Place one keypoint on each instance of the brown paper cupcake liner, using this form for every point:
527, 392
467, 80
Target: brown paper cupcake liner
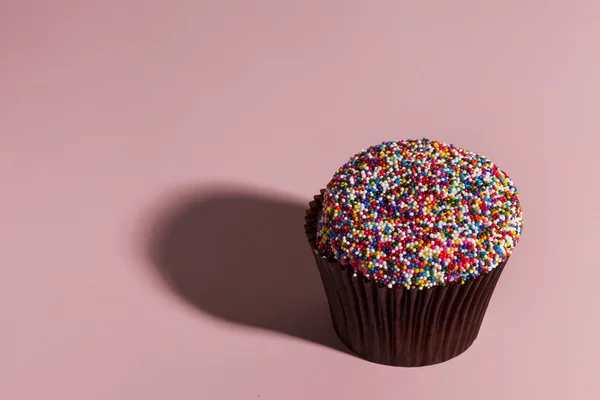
400, 327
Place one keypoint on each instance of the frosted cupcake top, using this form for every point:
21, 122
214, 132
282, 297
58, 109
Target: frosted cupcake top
419, 214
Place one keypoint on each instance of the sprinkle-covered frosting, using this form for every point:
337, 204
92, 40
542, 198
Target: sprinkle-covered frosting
419, 214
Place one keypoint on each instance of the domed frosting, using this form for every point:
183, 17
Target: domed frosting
419, 214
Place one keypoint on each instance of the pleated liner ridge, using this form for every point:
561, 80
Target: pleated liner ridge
400, 327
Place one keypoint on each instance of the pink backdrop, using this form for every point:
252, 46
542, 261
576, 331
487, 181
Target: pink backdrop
139, 140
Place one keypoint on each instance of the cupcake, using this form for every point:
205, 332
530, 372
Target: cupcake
410, 239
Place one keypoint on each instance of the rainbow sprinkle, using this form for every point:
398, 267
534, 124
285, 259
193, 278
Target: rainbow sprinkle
419, 214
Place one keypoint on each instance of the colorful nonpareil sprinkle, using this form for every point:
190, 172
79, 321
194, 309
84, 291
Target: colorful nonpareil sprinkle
419, 214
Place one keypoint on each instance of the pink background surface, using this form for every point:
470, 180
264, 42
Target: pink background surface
129, 128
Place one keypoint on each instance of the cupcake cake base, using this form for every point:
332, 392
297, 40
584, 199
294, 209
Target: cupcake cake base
397, 326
